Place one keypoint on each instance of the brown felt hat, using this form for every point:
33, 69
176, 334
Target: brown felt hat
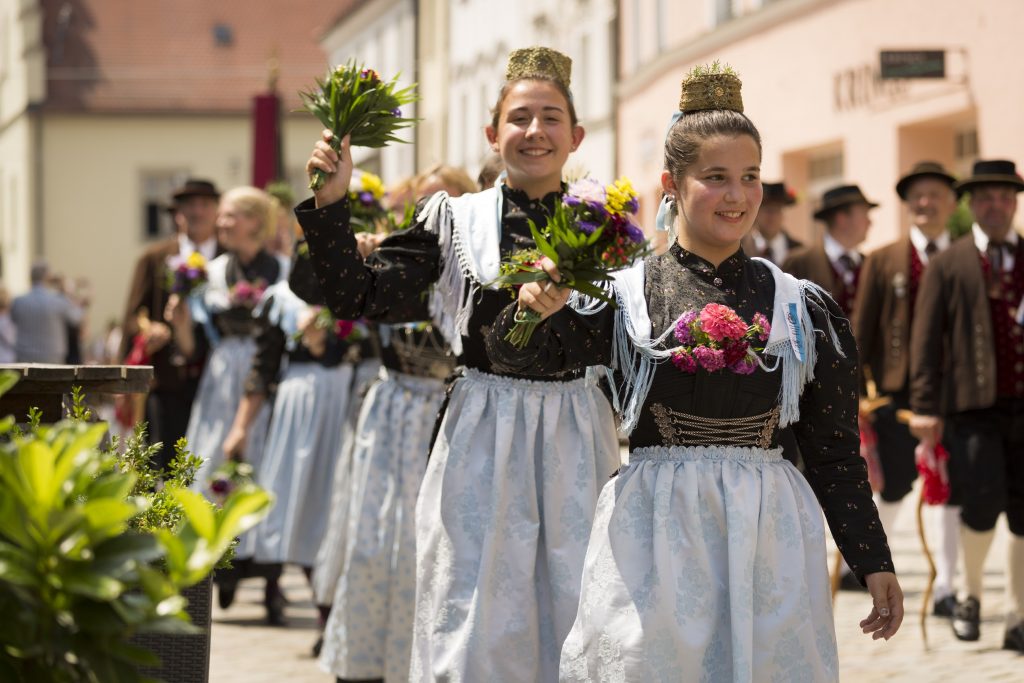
924, 169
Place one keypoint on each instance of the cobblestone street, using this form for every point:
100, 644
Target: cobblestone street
245, 649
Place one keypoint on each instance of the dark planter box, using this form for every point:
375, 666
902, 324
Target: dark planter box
184, 658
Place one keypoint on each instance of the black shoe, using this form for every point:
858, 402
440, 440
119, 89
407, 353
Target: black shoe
227, 584
849, 582
966, 619
944, 607
274, 602
1014, 638
317, 646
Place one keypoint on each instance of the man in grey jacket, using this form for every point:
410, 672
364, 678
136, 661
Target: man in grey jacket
41, 317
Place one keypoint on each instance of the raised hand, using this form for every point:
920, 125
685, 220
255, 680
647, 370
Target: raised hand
337, 165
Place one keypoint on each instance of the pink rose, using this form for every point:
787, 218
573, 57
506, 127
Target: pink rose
683, 360
721, 322
709, 359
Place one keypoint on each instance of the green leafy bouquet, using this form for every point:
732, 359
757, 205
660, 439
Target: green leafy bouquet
353, 100
590, 235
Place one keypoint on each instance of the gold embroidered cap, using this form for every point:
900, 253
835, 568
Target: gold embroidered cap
711, 87
531, 62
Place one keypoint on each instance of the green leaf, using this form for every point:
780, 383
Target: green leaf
36, 460
198, 511
81, 580
8, 378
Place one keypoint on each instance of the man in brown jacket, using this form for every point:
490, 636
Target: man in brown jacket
884, 308
769, 238
967, 375
175, 378
834, 262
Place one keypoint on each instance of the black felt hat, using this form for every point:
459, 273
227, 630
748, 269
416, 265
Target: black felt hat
992, 172
841, 197
778, 193
924, 169
195, 187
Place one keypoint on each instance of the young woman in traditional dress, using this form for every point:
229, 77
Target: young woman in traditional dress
509, 493
305, 357
224, 316
368, 635
707, 557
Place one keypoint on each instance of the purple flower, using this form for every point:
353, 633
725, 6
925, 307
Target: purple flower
396, 112
570, 200
220, 486
589, 191
684, 333
762, 326
744, 366
709, 359
366, 198
632, 206
634, 233
589, 226
684, 361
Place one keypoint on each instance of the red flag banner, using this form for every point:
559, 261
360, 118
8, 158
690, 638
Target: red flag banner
266, 139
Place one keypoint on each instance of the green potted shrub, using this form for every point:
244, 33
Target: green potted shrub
88, 560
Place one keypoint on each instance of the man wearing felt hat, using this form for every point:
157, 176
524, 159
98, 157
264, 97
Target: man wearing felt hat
967, 375
889, 282
834, 263
194, 206
769, 238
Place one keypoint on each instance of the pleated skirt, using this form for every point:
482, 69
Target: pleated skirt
503, 519
369, 631
302, 449
213, 411
329, 557
705, 564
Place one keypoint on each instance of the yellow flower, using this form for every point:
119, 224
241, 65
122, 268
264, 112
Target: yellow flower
196, 261
373, 184
621, 196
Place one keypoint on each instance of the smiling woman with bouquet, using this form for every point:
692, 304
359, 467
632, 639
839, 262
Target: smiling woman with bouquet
707, 557
510, 489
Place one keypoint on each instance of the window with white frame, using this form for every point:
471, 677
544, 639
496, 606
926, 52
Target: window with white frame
156, 188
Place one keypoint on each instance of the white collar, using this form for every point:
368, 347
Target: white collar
920, 242
981, 239
834, 250
186, 247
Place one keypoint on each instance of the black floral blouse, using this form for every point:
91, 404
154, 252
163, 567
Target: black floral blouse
392, 285
827, 432
272, 341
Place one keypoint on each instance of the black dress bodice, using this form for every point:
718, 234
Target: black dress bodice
391, 286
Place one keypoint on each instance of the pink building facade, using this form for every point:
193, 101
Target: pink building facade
811, 83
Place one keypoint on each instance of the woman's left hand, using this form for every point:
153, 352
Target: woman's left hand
887, 609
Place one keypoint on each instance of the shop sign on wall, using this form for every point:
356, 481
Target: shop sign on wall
912, 63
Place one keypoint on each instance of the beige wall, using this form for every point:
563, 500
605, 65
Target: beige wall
808, 85
92, 165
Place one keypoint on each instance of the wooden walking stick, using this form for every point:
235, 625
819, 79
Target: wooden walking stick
934, 491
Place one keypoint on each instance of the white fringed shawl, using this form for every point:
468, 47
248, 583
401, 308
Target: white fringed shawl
468, 231
791, 343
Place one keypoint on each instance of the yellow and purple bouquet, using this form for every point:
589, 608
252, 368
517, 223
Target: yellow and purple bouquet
590, 235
